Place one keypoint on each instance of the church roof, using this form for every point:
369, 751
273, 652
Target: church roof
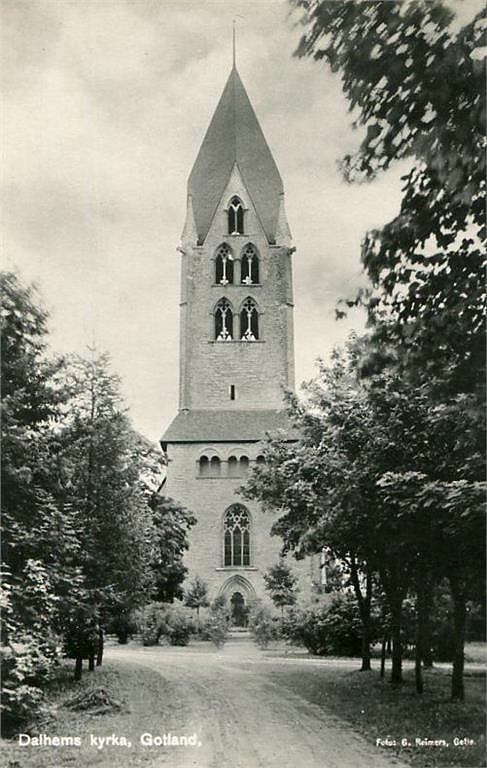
215, 426
235, 136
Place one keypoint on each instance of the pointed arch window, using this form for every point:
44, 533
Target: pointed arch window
235, 217
224, 265
236, 536
250, 265
249, 321
223, 321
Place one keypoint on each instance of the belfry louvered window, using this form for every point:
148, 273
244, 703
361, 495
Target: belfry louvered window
249, 321
236, 533
223, 321
224, 265
235, 217
250, 265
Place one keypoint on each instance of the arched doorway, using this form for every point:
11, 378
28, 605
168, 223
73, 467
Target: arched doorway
239, 610
239, 594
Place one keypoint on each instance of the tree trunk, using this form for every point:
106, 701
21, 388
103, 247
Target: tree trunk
421, 612
91, 663
383, 656
99, 653
427, 628
459, 619
364, 609
78, 669
396, 622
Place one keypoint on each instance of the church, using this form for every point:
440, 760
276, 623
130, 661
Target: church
236, 352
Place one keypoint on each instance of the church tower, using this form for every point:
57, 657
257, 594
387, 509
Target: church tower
236, 348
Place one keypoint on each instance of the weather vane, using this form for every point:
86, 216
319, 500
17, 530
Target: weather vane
234, 22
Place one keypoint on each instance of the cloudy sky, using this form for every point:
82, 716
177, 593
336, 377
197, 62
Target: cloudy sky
106, 104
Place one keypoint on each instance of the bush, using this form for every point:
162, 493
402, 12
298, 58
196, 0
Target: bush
28, 655
123, 626
329, 630
264, 627
178, 629
215, 627
151, 622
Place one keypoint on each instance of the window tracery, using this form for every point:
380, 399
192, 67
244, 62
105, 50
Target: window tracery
224, 265
250, 265
223, 321
249, 321
236, 534
235, 217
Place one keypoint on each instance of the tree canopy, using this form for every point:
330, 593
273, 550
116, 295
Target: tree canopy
415, 85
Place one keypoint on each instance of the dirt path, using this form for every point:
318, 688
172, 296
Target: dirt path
243, 717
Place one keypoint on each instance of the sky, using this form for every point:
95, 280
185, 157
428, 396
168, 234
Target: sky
106, 103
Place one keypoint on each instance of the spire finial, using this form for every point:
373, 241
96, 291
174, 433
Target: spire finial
234, 23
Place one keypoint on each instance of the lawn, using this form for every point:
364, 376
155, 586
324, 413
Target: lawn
379, 711
145, 700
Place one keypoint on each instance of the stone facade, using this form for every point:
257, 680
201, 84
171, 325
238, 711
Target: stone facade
231, 392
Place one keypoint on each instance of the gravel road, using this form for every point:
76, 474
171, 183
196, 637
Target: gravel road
243, 717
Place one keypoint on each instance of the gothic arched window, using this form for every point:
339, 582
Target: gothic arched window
236, 536
224, 265
223, 321
235, 217
249, 321
250, 265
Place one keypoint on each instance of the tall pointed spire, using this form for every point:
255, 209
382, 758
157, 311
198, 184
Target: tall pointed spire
234, 137
234, 48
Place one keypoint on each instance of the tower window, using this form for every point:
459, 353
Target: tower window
250, 265
236, 536
215, 466
204, 466
235, 217
224, 265
233, 466
249, 321
232, 391
209, 467
244, 465
223, 321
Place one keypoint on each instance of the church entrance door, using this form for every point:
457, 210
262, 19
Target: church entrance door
239, 610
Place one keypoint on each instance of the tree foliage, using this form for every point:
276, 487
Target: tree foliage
415, 85
86, 536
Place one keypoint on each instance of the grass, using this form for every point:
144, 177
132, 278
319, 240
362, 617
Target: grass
377, 710
147, 706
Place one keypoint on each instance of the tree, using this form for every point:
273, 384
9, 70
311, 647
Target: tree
197, 596
41, 580
280, 583
359, 481
171, 524
106, 466
417, 86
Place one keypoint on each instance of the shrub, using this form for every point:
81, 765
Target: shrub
123, 626
178, 629
333, 629
216, 628
264, 627
151, 622
28, 655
